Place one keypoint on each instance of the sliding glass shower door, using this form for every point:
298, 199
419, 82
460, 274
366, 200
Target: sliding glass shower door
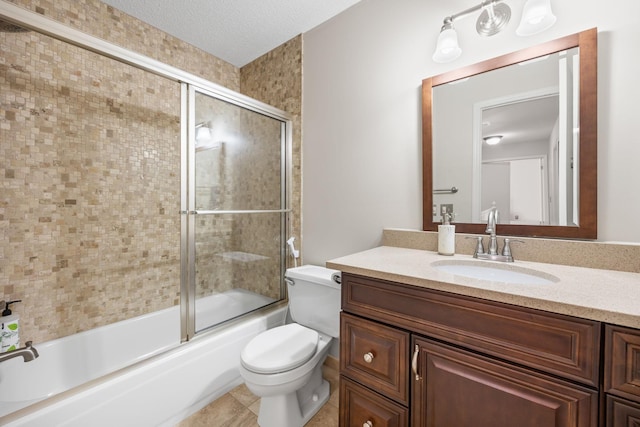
237, 209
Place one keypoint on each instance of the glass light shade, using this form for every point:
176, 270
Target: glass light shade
203, 134
536, 17
447, 48
205, 140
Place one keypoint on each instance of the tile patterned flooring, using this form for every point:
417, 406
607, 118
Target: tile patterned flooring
239, 407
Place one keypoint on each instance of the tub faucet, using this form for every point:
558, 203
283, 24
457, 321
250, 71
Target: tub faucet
27, 352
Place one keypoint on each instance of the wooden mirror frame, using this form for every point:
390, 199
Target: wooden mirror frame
587, 227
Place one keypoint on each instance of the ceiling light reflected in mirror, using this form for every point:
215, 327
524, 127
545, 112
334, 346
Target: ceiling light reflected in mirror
493, 139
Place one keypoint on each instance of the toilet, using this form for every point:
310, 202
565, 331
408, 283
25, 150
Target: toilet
283, 365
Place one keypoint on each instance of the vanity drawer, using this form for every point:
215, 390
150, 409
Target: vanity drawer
362, 407
375, 355
553, 343
622, 362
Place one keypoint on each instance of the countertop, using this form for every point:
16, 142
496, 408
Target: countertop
602, 295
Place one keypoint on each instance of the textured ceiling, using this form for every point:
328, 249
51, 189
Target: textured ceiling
237, 31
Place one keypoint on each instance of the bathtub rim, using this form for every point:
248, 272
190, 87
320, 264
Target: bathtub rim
172, 352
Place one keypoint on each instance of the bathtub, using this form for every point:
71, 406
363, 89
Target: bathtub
134, 372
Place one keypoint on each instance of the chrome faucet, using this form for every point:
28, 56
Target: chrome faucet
492, 251
492, 224
27, 352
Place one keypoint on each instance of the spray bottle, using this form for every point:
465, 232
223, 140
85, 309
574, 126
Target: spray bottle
10, 328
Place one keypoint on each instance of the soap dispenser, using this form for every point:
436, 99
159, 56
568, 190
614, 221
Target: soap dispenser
10, 329
446, 236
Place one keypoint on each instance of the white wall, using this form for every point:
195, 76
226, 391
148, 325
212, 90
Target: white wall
362, 73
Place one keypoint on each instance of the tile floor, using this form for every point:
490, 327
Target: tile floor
239, 407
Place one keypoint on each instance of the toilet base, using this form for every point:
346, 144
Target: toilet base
295, 409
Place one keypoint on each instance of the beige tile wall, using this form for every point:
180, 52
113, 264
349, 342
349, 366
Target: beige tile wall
90, 168
276, 79
115, 26
90, 160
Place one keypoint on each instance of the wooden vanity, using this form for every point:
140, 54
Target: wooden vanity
622, 376
415, 355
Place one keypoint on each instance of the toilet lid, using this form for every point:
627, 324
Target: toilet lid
280, 349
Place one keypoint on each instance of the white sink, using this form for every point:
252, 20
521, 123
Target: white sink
506, 273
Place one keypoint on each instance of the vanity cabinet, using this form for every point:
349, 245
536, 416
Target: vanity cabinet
420, 357
622, 376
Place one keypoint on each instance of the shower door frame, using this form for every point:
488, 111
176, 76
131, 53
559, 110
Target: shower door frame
188, 211
42, 24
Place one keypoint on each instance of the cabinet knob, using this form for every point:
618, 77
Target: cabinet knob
368, 357
367, 424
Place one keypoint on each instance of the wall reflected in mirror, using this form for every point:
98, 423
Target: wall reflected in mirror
532, 173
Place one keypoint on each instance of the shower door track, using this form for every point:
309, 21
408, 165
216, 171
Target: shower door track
44, 25
218, 212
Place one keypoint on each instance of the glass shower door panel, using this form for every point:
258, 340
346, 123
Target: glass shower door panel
238, 265
240, 207
238, 157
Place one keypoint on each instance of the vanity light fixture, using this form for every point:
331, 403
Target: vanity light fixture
493, 139
447, 49
536, 17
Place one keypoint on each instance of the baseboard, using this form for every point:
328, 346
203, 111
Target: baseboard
332, 362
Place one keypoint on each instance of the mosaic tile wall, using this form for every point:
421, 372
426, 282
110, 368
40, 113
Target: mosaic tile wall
276, 79
104, 21
90, 170
90, 166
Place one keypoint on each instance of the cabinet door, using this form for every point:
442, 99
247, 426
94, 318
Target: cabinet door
622, 362
360, 407
460, 389
621, 413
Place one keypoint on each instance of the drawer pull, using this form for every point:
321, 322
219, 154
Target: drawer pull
368, 357
367, 424
414, 362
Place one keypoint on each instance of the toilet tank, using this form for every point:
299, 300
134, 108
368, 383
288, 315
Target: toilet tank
314, 298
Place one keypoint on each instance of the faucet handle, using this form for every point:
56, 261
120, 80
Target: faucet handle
479, 250
506, 250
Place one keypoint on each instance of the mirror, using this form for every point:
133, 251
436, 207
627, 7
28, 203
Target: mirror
541, 175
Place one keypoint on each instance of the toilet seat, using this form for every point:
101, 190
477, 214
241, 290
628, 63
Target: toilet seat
280, 349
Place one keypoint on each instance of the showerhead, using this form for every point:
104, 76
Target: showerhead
294, 253
8, 27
